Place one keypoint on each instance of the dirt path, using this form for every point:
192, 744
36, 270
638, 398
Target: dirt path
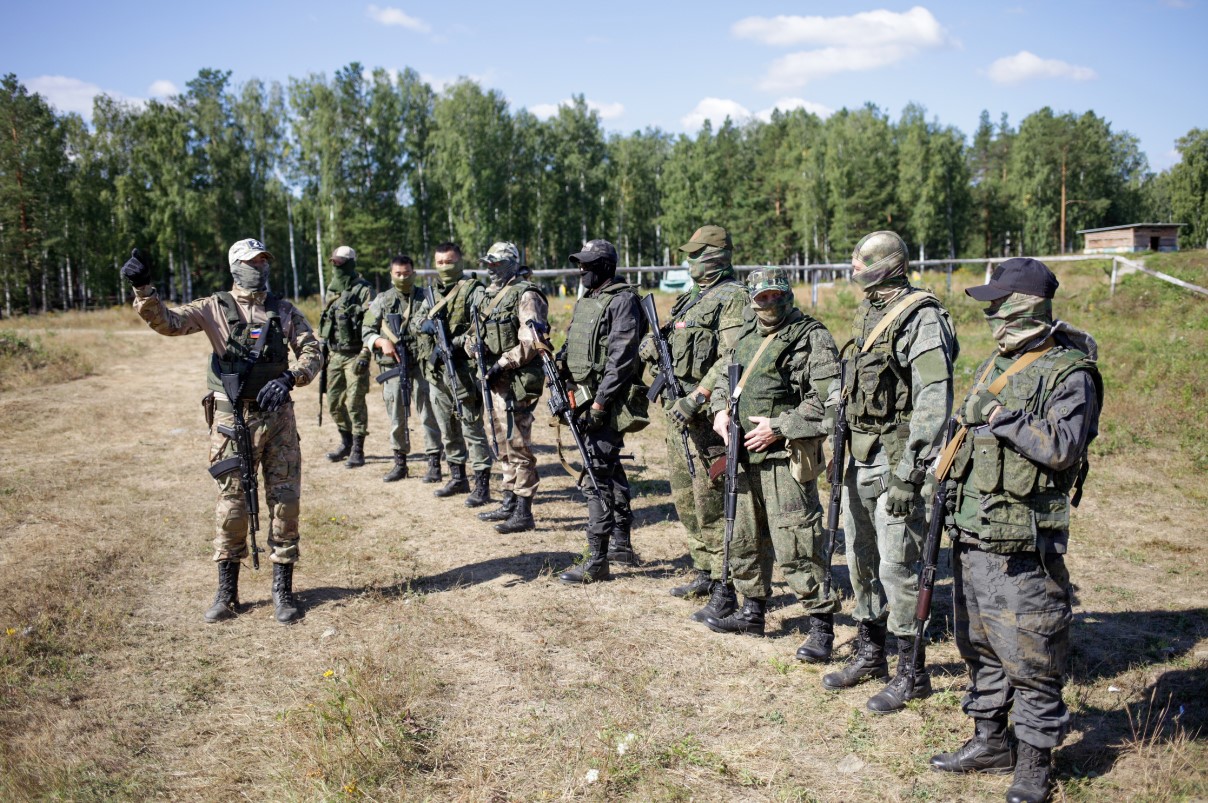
439, 659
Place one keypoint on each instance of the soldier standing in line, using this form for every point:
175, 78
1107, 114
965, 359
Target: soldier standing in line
464, 437
252, 333
1017, 459
789, 364
704, 324
402, 300
514, 378
899, 397
601, 358
348, 297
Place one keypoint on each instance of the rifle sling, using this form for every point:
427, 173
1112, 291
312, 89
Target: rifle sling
444, 301
746, 372
895, 312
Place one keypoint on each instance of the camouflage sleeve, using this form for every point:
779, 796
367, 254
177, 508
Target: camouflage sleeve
716, 382
812, 371
371, 325
925, 346
365, 296
186, 319
533, 307
307, 357
1059, 437
729, 324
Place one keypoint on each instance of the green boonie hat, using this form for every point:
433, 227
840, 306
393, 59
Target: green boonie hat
769, 279
501, 253
710, 235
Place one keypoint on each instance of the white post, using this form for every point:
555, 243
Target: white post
1115, 273
989, 271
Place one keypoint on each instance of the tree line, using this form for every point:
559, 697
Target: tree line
383, 162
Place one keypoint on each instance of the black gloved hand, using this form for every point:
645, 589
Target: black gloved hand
275, 393
428, 327
137, 270
362, 366
594, 419
493, 373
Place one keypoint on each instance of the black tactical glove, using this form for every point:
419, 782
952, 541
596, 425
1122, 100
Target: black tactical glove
275, 393
493, 373
428, 327
900, 497
594, 419
136, 270
362, 366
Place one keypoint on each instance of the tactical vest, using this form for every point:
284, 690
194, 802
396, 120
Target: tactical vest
1004, 498
392, 302
586, 343
340, 323
457, 322
457, 311
274, 354
694, 340
768, 390
501, 333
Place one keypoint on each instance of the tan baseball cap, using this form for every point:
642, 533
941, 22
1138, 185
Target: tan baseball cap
343, 252
247, 249
710, 235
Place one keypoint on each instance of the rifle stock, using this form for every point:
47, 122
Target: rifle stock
665, 383
322, 377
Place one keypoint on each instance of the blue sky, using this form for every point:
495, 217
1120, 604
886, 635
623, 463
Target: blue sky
1139, 63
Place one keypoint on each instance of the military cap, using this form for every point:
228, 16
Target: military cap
1017, 275
501, 253
245, 250
766, 279
343, 252
594, 250
710, 235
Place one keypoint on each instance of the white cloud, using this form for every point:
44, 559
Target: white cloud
441, 82
72, 94
865, 41
396, 16
162, 89
1025, 66
788, 104
716, 110
607, 111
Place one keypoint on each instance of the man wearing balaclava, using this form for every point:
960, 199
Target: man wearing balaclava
268, 344
514, 378
898, 387
1018, 457
463, 432
391, 328
348, 297
601, 360
703, 324
789, 363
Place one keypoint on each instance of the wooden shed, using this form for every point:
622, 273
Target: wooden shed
1133, 237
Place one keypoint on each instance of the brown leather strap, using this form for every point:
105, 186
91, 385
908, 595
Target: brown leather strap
894, 313
746, 372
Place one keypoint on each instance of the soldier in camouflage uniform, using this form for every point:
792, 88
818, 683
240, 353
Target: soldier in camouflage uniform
899, 396
464, 437
704, 323
601, 358
348, 297
252, 333
402, 300
1018, 457
514, 377
790, 362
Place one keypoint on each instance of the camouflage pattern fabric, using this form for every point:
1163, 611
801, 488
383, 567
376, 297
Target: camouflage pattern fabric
465, 438
699, 504
516, 459
346, 391
1019, 319
278, 454
421, 393
1013, 616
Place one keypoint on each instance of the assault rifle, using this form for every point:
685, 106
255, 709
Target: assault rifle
734, 435
665, 382
394, 333
488, 405
838, 463
322, 376
244, 460
444, 353
931, 555
561, 403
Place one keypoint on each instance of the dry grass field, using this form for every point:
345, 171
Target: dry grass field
441, 661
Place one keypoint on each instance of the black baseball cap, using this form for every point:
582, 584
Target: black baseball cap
1017, 275
594, 250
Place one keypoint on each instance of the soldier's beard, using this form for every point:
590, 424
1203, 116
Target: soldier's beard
1019, 319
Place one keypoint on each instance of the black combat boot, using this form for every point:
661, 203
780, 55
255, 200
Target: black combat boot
748, 619
620, 550
288, 610
343, 450
399, 472
1031, 781
989, 751
433, 474
356, 455
226, 601
868, 662
722, 602
457, 484
909, 683
818, 644
698, 586
521, 520
482, 489
592, 570
502, 513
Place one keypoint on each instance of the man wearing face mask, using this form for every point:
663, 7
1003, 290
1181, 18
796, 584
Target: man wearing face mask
515, 379
464, 438
601, 358
401, 299
269, 344
704, 323
899, 398
348, 297
789, 364
1016, 461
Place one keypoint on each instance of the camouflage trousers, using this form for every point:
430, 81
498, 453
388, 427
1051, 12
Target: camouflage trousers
278, 455
516, 459
400, 436
464, 438
882, 550
698, 503
346, 392
1013, 617
779, 522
